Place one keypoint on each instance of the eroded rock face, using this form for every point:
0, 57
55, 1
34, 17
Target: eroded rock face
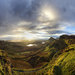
7, 66
67, 37
5, 63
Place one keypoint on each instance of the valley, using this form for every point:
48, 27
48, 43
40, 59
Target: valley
55, 57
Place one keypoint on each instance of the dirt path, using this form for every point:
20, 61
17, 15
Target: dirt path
31, 70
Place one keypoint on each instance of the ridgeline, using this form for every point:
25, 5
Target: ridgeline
56, 57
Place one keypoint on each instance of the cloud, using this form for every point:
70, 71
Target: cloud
39, 17
28, 27
25, 9
58, 32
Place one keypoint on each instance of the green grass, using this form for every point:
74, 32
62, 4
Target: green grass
65, 64
70, 47
62, 62
25, 52
60, 57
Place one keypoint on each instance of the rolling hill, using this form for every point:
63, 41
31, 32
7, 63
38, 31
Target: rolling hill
56, 57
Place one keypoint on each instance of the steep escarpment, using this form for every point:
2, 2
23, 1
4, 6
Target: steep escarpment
5, 64
62, 61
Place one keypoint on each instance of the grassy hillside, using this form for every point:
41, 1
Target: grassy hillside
62, 60
64, 63
60, 55
5, 64
56, 57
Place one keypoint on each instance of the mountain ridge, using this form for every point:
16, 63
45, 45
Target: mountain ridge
56, 57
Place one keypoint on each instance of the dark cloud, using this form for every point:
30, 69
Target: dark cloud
58, 32
13, 12
53, 26
4, 8
64, 9
28, 27
25, 9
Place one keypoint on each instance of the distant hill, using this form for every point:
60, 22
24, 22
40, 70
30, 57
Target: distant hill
67, 37
50, 40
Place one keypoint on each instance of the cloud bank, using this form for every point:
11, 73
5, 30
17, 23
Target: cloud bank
43, 18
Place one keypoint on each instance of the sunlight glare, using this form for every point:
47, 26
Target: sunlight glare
49, 14
29, 36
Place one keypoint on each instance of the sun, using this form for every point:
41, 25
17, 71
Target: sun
49, 14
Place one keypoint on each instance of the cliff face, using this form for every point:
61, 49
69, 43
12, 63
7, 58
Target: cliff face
67, 37
5, 64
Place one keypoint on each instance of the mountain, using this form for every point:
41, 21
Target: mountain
56, 57
61, 56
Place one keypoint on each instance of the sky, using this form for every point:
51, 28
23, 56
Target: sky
36, 19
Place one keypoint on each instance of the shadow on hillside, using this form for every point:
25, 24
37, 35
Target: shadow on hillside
1, 73
57, 70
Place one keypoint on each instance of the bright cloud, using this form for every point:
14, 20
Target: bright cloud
36, 19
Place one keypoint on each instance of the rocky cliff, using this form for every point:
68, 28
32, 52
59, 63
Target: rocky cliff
5, 64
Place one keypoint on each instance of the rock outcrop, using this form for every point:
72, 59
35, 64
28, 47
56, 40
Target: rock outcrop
5, 64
